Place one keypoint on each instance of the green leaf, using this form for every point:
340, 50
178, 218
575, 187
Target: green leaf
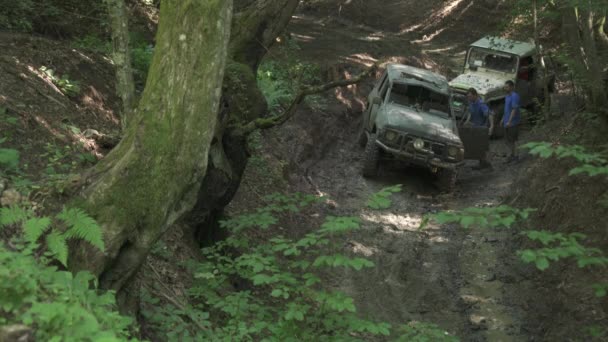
13, 215
58, 247
542, 263
35, 227
9, 158
467, 221
381, 199
600, 289
528, 256
82, 226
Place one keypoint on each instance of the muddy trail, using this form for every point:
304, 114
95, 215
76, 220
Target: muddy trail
456, 278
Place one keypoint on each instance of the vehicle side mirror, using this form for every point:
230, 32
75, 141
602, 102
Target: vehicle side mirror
377, 101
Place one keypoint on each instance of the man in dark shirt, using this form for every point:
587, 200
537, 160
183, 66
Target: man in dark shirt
511, 119
479, 116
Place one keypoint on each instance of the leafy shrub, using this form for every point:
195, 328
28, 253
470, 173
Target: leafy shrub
592, 164
70, 224
283, 298
93, 43
9, 158
141, 56
280, 81
140, 49
68, 87
16, 15
56, 305
554, 246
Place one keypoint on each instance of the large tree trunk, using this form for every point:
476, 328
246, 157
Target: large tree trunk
121, 57
154, 175
599, 98
256, 25
577, 26
540, 58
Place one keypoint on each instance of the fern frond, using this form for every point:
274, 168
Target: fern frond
13, 215
82, 226
58, 247
35, 227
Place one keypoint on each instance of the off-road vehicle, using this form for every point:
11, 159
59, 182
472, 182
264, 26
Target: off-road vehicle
408, 117
489, 63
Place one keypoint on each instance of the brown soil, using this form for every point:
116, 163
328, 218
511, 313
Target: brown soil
468, 281
49, 120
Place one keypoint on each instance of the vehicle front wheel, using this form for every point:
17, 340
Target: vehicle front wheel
371, 157
447, 180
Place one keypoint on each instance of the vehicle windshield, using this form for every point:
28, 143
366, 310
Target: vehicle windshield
492, 60
419, 98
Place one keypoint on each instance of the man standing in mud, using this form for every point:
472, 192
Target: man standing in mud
511, 119
479, 116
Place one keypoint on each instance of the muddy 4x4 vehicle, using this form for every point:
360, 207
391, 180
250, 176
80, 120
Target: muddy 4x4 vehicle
489, 63
408, 117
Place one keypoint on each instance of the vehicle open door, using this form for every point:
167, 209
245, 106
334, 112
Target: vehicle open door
475, 140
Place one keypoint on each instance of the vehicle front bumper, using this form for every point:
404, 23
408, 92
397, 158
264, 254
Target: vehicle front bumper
421, 159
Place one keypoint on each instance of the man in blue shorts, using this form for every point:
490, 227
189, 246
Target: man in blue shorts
511, 119
479, 116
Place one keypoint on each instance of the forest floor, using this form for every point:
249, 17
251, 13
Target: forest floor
457, 279
469, 282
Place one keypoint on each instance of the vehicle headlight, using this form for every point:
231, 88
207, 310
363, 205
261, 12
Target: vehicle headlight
418, 144
453, 151
456, 152
390, 135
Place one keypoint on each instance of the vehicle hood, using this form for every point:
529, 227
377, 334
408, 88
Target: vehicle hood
487, 84
419, 124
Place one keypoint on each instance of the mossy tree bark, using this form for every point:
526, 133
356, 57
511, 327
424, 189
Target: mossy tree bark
125, 86
152, 178
255, 27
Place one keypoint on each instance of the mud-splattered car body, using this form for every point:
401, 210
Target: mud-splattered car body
408, 117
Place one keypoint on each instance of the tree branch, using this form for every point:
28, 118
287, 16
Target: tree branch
265, 123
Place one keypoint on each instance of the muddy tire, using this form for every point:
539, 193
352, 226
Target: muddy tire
371, 157
446, 180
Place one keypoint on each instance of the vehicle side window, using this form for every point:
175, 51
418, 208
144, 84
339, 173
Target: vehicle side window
383, 81
526, 69
384, 90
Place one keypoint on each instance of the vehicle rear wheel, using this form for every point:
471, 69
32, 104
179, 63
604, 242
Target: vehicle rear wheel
371, 157
447, 180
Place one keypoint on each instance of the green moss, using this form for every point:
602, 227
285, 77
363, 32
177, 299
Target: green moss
245, 99
162, 157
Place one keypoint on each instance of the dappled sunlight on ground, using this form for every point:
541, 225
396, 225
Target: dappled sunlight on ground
94, 99
361, 249
395, 223
53, 131
361, 58
45, 78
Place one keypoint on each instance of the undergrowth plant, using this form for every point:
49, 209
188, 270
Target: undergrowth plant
9, 159
54, 304
69, 87
70, 223
552, 246
141, 52
271, 289
281, 80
